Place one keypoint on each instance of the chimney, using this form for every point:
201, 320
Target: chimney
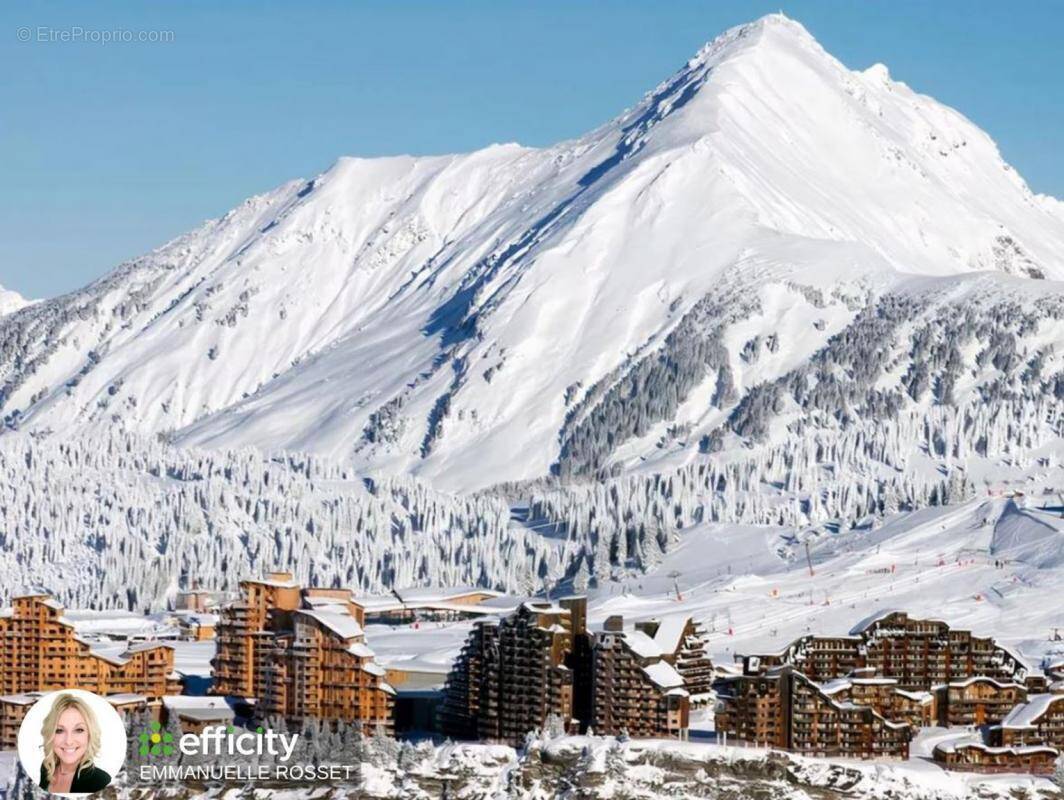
577, 608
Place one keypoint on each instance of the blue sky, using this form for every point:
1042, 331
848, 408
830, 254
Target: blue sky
109, 149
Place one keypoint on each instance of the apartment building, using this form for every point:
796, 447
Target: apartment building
750, 708
515, 673
243, 626
978, 701
300, 653
863, 687
13, 710
920, 654
1039, 721
682, 642
41, 650
924, 653
541, 661
634, 688
784, 709
974, 755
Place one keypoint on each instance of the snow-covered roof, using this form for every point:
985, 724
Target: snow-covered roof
109, 653
664, 675
206, 714
871, 619
835, 686
125, 698
335, 619
919, 697
123, 624
641, 644
360, 649
181, 702
543, 607
25, 699
373, 669
1019, 659
985, 679
279, 583
669, 634
1026, 715
973, 742
422, 597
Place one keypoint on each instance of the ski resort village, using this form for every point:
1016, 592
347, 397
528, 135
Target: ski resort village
717, 452
677, 661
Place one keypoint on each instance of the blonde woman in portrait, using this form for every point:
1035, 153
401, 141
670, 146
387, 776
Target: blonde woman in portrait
71, 742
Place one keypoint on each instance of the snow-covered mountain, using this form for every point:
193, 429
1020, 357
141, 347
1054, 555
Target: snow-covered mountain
767, 249
10, 301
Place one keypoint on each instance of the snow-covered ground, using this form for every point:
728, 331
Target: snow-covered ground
989, 565
941, 563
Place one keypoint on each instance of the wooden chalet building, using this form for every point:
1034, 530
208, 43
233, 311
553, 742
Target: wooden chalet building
782, 708
919, 654
515, 673
978, 701
541, 660
301, 654
41, 651
1039, 721
634, 688
973, 755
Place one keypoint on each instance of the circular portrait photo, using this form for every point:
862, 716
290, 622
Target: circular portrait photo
72, 742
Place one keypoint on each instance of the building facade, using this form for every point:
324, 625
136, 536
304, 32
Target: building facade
682, 642
634, 689
300, 654
976, 756
1039, 721
13, 710
978, 701
541, 661
243, 625
41, 651
784, 709
920, 654
515, 673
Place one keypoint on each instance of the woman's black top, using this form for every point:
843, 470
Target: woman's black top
90, 779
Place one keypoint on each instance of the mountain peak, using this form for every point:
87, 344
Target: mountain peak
773, 30
11, 301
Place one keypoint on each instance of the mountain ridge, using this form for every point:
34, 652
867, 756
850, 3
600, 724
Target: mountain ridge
459, 317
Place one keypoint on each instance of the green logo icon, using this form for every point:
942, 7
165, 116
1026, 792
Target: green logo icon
156, 743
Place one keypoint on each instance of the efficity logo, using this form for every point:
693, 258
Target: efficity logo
233, 755
217, 741
156, 742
